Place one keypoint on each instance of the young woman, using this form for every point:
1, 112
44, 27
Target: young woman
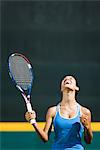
69, 118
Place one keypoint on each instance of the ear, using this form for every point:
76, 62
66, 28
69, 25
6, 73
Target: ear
77, 88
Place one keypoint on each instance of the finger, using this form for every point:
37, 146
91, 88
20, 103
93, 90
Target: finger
84, 117
33, 112
84, 120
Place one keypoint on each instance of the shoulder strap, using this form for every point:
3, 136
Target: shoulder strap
80, 112
57, 107
57, 110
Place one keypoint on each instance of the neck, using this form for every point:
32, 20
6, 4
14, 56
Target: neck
68, 98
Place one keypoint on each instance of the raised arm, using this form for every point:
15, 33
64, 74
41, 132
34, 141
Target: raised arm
43, 133
86, 121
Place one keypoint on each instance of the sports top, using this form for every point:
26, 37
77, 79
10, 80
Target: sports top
68, 131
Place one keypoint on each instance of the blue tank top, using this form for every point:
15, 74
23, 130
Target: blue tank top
68, 132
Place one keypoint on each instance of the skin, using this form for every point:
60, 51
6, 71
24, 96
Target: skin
68, 108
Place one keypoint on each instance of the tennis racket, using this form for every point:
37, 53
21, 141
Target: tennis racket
20, 71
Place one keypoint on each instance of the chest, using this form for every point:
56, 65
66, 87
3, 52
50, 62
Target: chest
68, 114
63, 123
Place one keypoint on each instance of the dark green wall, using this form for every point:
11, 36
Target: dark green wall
11, 140
59, 38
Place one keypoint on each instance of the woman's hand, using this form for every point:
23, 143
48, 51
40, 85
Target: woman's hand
85, 121
30, 115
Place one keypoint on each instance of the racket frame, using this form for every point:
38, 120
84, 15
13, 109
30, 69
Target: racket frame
26, 97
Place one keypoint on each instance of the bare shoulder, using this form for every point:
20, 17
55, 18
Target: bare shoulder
85, 110
51, 111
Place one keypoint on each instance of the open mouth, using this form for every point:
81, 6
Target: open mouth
67, 82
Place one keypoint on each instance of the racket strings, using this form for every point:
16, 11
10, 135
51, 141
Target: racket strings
21, 71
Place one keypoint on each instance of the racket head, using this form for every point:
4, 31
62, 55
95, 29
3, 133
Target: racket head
21, 72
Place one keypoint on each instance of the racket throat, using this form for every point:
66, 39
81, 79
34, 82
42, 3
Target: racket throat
19, 88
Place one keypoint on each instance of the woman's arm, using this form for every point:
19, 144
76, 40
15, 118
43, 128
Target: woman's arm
86, 121
44, 133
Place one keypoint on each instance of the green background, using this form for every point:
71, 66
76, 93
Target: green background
60, 38
31, 141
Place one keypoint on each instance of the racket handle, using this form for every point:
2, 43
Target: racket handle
29, 107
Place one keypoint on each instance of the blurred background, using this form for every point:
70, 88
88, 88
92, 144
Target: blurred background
59, 38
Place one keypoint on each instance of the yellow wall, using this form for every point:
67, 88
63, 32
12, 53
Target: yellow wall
24, 126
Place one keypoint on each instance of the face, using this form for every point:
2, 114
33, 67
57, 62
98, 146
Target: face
69, 83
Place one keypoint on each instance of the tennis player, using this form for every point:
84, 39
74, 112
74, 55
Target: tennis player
69, 118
